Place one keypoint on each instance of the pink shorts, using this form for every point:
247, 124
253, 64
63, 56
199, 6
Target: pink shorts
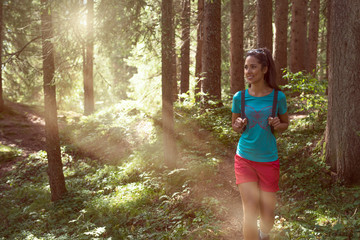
266, 174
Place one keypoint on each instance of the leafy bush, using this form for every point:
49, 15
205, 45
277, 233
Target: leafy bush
109, 135
310, 95
8, 153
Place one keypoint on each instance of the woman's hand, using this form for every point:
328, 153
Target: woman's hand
239, 124
280, 123
274, 122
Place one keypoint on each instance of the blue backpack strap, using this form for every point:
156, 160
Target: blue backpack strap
243, 115
273, 113
243, 104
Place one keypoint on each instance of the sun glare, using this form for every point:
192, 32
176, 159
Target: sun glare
83, 21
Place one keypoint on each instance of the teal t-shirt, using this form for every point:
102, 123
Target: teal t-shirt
257, 143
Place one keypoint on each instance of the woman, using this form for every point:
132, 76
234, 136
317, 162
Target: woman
256, 159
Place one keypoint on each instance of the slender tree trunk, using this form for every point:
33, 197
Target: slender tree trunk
328, 33
199, 46
298, 35
55, 167
281, 26
167, 23
1, 42
343, 138
211, 52
185, 47
89, 104
236, 46
264, 24
313, 36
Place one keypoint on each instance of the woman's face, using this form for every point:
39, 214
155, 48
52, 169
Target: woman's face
254, 72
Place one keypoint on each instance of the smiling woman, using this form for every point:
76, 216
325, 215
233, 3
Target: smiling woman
256, 160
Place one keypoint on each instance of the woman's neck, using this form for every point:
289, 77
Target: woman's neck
260, 89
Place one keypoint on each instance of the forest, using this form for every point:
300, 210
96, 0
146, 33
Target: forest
115, 117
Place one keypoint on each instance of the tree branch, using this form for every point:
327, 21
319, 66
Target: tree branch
17, 53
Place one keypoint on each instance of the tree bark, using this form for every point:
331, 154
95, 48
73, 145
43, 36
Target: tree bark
89, 103
199, 46
236, 46
343, 138
185, 47
167, 36
313, 36
264, 24
1, 43
55, 167
328, 33
281, 26
211, 52
298, 35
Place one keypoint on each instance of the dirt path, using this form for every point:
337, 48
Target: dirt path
23, 127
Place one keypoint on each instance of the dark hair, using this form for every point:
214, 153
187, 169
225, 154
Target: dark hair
265, 58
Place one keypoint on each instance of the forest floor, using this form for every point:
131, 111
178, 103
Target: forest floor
22, 127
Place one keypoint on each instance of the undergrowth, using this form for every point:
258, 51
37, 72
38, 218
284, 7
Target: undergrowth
130, 197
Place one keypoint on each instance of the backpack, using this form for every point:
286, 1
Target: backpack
273, 106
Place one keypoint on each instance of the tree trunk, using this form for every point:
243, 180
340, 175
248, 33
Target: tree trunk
55, 167
185, 47
211, 52
168, 52
281, 27
89, 104
298, 35
328, 33
343, 138
264, 24
313, 36
199, 46
236, 46
1, 42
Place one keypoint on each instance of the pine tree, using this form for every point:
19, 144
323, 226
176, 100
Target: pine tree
168, 52
211, 52
55, 167
343, 132
236, 46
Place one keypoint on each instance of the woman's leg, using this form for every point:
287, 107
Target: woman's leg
250, 196
267, 211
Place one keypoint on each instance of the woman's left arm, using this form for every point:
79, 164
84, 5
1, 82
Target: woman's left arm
280, 123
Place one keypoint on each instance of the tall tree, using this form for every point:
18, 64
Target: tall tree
298, 35
185, 46
328, 34
343, 136
89, 104
313, 38
236, 46
55, 167
281, 27
1, 42
167, 71
211, 52
199, 46
264, 24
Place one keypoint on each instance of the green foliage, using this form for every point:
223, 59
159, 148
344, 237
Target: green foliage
109, 135
8, 153
310, 95
312, 205
121, 202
